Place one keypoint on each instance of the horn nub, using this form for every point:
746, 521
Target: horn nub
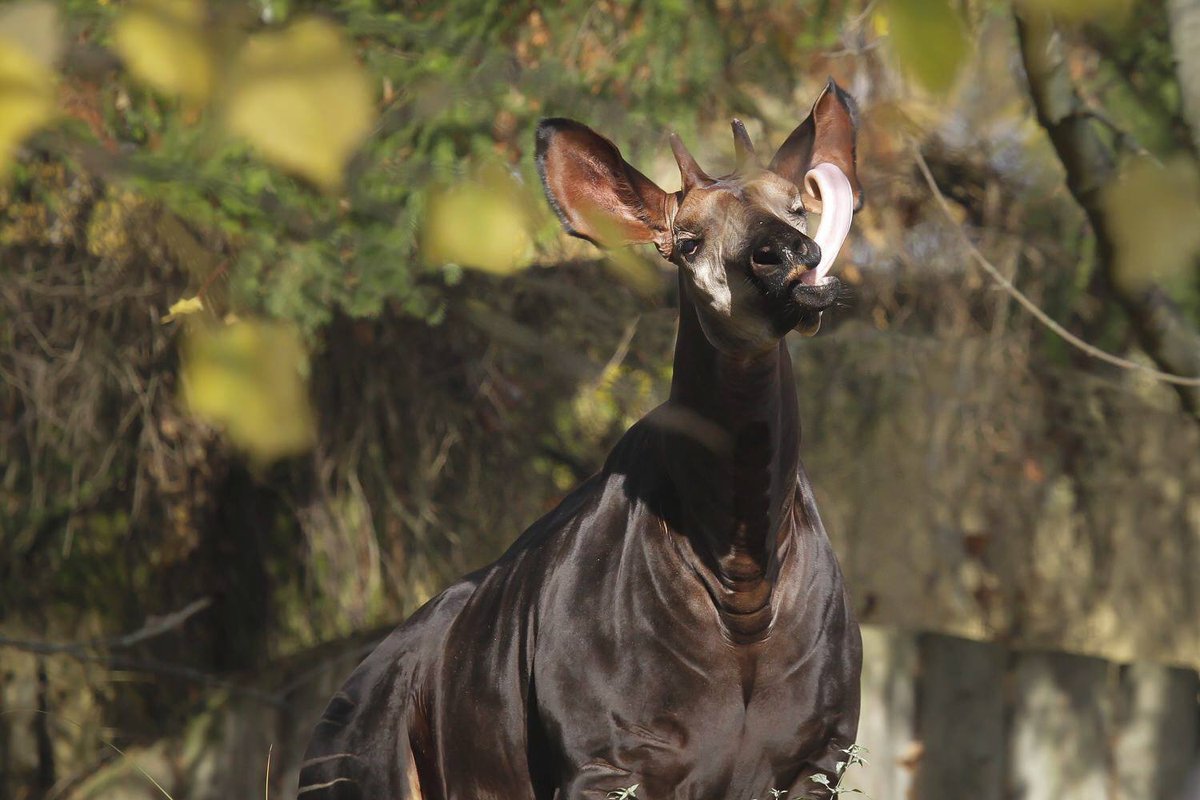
689, 170
743, 148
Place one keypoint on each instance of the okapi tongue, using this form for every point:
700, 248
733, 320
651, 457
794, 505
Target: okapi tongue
830, 185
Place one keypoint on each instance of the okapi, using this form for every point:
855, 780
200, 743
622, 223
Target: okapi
679, 621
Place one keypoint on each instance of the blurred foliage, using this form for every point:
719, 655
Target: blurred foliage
928, 37
163, 44
479, 223
458, 86
251, 378
1153, 210
300, 97
316, 227
28, 48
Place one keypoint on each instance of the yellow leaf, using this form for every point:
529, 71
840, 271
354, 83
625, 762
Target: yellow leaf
929, 38
181, 308
478, 223
300, 97
880, 23
1152, 213
26, 98
165, 45
33, 26
249, 377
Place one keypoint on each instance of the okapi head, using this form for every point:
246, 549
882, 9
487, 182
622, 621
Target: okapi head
741, 240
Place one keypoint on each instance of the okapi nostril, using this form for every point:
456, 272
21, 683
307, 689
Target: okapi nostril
766, 256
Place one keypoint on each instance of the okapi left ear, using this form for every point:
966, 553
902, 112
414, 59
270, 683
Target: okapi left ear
825, 137
596, 194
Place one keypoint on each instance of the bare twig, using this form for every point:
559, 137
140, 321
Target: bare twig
267, 780
1041, 316
154, 627
97, 650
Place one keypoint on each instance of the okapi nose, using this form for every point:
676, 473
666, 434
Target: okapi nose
791, 251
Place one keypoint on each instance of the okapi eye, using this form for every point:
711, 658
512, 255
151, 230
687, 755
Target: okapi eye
688, 247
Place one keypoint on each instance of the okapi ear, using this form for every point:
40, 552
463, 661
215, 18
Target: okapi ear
597, 195
825, 137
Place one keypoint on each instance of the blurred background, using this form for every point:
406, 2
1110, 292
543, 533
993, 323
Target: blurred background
289, 340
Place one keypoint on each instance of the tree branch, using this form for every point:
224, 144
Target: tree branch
154, 627
1041, 316
1162, 330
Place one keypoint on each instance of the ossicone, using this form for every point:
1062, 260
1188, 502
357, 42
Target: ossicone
689, 169
743, 148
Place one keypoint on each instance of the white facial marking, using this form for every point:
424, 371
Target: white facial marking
708, 275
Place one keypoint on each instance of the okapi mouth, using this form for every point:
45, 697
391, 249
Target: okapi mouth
798, 304
816, 297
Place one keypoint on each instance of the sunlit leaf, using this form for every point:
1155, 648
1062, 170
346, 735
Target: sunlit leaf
300, 97
181, 308
26, 98
928, 37
249, 378
1082, 10
1152, 213
165, 46
33, 26
478, 223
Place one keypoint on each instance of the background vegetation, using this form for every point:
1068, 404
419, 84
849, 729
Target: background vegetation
288, 338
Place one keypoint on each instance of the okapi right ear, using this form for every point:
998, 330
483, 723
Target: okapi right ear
597, 195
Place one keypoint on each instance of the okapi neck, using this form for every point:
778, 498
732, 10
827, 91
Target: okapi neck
733, 463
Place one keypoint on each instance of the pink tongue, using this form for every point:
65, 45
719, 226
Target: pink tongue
830, 185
